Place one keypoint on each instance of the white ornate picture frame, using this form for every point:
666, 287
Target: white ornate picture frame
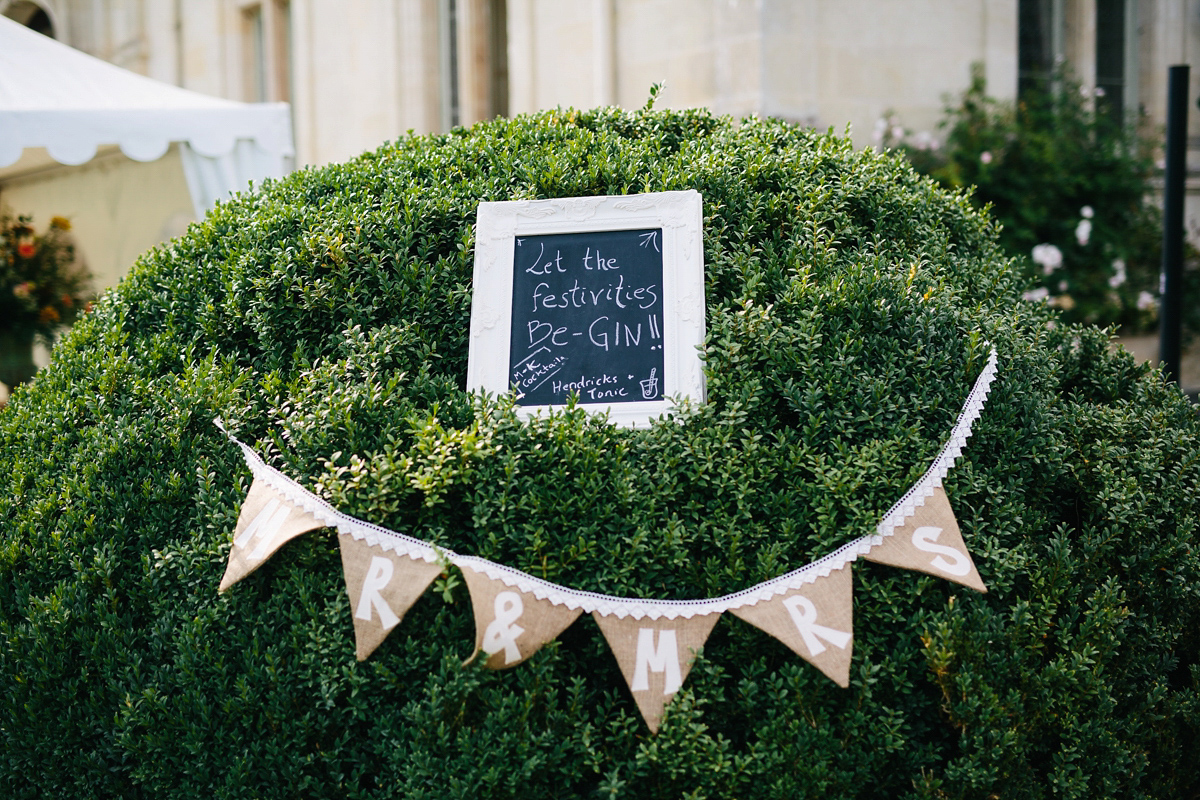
679, 215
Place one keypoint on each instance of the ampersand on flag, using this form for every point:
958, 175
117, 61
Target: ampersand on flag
502, 633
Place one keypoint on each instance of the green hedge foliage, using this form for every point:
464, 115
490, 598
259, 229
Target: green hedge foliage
851, 304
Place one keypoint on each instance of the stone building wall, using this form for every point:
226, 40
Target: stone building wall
359, 72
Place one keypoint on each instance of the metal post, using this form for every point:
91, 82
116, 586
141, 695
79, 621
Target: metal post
1171, 310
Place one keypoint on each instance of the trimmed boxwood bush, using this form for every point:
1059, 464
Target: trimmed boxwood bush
851, 303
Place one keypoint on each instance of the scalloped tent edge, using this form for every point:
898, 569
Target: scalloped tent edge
58, 98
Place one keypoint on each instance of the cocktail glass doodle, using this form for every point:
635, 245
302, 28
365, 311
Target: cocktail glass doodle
650, 386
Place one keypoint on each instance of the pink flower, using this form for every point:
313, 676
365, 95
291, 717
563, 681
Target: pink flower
1048, 257
23, 291
1083, 231
986, 156
1118, 277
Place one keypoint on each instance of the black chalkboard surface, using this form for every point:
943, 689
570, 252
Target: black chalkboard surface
587, 313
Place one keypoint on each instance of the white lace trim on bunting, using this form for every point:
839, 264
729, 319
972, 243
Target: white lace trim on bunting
638, 608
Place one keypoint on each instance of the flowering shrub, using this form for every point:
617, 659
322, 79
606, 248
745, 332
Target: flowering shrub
43, 286
1069, 182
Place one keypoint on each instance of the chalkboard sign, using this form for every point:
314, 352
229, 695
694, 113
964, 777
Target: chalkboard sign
596, 298
587, 317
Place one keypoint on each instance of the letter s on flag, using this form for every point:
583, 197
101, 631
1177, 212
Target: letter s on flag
925, 538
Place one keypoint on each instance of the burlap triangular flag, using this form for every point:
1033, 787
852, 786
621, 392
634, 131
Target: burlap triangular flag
655, 656
382, 587
266, 522
511, 625
930, 541
816, 621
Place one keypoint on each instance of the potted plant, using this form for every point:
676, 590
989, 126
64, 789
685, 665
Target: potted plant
43, 286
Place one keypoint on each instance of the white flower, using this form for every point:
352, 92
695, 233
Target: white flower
923, 140
1085, 91
1062, 286
1083, 231
1086, 212
1048, 257
986, 156
1100, 91
1036, 295
1118, 277
1146, 301
897, 132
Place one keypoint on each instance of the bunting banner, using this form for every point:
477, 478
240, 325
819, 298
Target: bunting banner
655, 655
930, 541
511, 625
655, 642
815, 622
382, 586
266, 523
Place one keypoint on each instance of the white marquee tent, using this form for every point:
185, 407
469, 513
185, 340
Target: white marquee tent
58, 104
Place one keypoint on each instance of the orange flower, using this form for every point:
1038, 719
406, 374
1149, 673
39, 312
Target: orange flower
67, 302
26, 250
48, 316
